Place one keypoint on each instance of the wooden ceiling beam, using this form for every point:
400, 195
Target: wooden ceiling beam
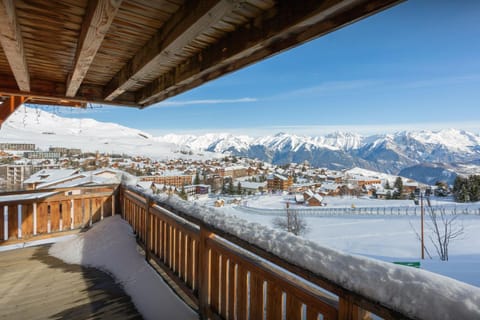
8, 105
184, 26
287, 25
12, 44
98, 18
49, 92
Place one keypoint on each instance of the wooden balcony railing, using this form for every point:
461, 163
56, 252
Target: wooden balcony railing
225, 276
229, 278
31, 213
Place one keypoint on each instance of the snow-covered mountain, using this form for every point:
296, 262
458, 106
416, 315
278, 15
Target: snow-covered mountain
45, 129
425, 155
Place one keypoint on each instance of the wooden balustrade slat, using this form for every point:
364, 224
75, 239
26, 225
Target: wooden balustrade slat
189, 262
274, 301
177, 250
256, 296
241, 292
223, 286
168, 238
231, 290
214, 281
293, 308
196, 269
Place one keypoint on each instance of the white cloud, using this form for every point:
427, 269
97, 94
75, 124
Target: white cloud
204, 101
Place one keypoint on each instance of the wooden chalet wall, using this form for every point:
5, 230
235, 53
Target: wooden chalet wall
67, 209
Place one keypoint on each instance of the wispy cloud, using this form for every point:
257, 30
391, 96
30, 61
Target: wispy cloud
327, 88
180, 103
315, 130
440, 81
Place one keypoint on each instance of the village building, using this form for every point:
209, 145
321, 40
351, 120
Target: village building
312, 199
279, 182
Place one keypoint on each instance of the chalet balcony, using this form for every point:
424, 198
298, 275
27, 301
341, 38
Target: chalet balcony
226, 268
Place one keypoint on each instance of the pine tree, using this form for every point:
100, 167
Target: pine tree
183, 194
197, 179
230, 187
387, 185
239, 188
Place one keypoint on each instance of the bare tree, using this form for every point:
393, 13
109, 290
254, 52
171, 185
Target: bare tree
291, 222
444, 229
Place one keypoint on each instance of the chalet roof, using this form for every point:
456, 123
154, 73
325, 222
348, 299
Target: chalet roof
49, 175
138, 52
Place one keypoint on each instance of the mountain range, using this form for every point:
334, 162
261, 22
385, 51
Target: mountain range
425, 155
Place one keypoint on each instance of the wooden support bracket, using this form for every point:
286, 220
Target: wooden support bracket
8, 106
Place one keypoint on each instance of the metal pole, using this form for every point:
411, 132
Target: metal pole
422, 215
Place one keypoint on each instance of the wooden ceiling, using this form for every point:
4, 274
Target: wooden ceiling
139, 52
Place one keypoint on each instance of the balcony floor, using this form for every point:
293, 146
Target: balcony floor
35, 285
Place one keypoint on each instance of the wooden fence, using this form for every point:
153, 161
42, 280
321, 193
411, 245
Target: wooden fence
229, 278
39, 212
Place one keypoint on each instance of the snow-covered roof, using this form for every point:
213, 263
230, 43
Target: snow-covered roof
253, 185
278, 176
48, 175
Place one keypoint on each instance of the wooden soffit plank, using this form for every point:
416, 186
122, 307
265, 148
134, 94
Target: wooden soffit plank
282, 27
12, 43
99, 17
184, 26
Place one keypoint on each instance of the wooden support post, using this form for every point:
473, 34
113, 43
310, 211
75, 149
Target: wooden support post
203, 273
113, 204
148, 204
101, 209
347, 310
49, 218
83, 212
72, 216
19, 220
9, 106
90, 221
5, 223
34, 218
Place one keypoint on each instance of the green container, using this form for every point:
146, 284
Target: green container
415, 264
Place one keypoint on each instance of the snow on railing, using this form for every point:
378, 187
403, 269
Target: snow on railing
360, 283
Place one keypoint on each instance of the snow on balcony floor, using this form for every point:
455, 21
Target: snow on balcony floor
110, 246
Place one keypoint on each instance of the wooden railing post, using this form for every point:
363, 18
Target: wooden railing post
347, 310
148, 204
203, 273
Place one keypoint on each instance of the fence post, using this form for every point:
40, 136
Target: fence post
203, 272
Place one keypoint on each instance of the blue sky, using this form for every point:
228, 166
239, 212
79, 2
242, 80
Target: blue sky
416, 65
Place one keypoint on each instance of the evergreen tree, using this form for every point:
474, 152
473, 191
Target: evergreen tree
387, 185
183, 194
398, 185
230, 187
239, 188
197, 179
